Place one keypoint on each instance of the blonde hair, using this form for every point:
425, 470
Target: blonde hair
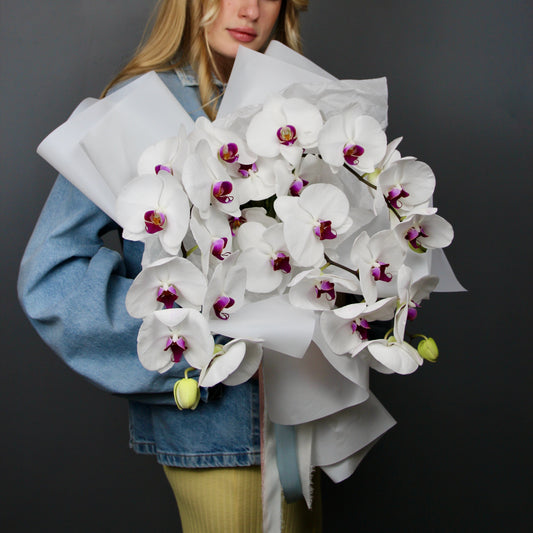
176, 36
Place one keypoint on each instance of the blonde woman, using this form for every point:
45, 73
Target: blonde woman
73, 288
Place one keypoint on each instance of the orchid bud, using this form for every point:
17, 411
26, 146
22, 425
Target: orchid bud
427, 348
186, 392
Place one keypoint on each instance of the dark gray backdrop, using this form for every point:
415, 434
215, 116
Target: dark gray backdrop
460, 79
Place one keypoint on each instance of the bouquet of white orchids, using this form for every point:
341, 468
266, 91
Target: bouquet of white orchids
288, 225
288, 198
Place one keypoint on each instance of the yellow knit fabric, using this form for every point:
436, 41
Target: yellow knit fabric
228, 500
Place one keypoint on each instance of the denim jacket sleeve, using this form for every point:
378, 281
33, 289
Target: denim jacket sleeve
73, 290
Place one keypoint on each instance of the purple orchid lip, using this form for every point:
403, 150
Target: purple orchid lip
222, 190
412, 312
154, 221
412, 235
394, 196
167, 296
323, 231
379, 273
287, 135
223, 302
327, 288
281, 262
217, 246
229, 153
246, 170
159, 168
235, 223
297, 185
177, 346
352, 153
361, 327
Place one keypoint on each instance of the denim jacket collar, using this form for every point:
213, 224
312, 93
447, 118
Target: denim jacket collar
188, 78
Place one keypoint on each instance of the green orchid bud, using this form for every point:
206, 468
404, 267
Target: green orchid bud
427, 348
186, 392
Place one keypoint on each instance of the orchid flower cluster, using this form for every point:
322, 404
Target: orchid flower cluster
292, 198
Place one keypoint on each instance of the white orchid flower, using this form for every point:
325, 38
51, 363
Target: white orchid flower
264, 255
163, 283
208, 183
409, 297
423, 232
154, 206
213, 236
227, 146
390, 355
317, 290
290, 181
256, 181
251, 214
406, 184
313, 221
225, 290
167, 335
168, 154
284, 126
355, 139
233, 363
346, 329
377, 258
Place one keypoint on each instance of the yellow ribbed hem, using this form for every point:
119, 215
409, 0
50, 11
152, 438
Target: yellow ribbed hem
228, 500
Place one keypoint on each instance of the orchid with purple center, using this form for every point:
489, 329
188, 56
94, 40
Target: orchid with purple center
313, 221
410, 294
327, 288
352, 153
287, 135
154, 221
208, 183
297, 185
395, 195
317, 289
377, 260
154, 207
221, 303
177, 346
168, 335
406, 184
264, 256
246, 170
353, 139
378, 272
168, 280
226, 289
167, 295
213, 236
229, 153
281, 261
361, 327
217, 247
235, 223
323, 231
284, 126
420, 233
222, 191
346, 329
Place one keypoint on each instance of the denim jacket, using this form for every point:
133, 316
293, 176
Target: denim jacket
73, 290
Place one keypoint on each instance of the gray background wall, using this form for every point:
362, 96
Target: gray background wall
460, 79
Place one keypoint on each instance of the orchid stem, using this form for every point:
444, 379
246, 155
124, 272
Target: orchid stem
334, 263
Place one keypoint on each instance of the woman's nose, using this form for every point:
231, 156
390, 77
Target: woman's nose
249, 9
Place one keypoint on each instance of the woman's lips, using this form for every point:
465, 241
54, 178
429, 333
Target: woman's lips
243, 35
